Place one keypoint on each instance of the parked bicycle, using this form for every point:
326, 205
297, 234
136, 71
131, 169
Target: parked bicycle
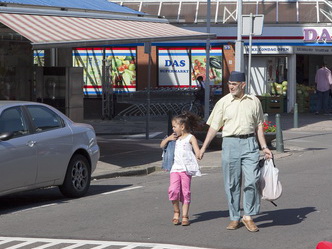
196, 107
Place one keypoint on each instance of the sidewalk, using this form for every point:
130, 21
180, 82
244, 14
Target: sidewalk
125, 150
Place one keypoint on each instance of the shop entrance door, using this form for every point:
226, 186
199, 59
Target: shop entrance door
62, 88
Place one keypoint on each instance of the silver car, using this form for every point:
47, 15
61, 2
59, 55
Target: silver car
40, 147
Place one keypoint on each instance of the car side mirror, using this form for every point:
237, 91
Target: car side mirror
6, 136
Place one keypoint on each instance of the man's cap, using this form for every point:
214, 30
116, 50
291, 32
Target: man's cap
237, 76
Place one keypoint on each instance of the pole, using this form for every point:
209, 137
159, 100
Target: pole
296, 116
279, 138
239, 42
250, 49
207, 72
147, 50
169, 126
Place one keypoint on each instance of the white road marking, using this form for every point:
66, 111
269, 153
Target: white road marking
143, 135
21, 242
33, 208
121, 190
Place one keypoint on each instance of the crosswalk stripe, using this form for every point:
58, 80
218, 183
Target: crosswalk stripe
20, 245
44, 243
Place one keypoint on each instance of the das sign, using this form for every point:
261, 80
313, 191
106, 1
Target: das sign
316, 35
175, 63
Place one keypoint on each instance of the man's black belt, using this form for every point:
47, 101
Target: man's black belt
243, 136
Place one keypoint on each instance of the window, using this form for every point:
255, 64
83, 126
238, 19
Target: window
44, 118
12, 120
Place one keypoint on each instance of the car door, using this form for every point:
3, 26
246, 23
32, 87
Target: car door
53, 143
18, 163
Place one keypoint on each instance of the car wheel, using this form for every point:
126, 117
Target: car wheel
78, 177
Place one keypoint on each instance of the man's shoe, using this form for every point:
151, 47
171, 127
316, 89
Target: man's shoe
234, 224
250, 225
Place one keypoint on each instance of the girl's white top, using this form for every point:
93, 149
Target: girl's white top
184, 157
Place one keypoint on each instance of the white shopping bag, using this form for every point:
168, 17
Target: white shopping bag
269, 183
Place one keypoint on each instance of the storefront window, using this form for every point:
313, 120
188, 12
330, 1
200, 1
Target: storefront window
38, 58
277, 76
174, 67
120, 63
91, 60
269, 82
198, 59
180, 67
122, 68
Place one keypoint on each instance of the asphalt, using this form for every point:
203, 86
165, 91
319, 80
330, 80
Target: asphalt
126, 150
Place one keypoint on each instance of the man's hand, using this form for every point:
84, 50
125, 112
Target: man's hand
267, 153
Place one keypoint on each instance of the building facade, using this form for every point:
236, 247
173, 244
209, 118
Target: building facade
296, 39
51, 53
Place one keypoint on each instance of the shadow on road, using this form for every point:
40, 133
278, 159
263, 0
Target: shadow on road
284, 217
48, 196
210, 215
129, 153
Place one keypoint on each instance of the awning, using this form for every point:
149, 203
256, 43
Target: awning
51, 31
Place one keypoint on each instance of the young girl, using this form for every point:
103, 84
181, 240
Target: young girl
184, 165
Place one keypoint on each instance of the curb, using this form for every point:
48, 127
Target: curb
129, 172
117, 133
140, 171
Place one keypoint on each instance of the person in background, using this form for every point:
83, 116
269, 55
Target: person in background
241, 116
200, 94
323, 81
183, 164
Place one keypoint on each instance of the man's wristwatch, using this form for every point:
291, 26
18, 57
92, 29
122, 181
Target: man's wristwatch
264, 147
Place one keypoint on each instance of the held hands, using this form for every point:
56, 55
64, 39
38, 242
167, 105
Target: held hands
201, 154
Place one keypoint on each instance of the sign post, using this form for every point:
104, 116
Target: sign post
147, 50
252, 25
239, 43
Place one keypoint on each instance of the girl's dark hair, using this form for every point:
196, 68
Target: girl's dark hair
189, 120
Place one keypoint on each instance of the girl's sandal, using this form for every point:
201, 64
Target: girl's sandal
185, 221
176, 221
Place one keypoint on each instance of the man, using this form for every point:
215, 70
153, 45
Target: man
323, 80
241, 117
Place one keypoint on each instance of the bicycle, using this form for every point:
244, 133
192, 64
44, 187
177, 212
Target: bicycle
194, 107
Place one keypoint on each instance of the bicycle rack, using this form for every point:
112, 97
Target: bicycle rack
161, 102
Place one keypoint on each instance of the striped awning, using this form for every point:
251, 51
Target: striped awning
51, 31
